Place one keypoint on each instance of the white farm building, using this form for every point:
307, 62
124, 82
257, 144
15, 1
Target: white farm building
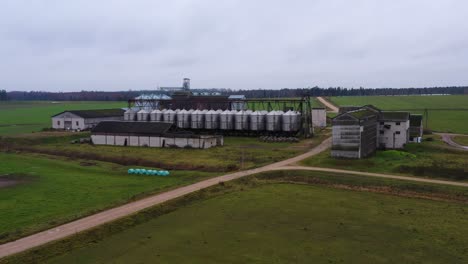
150, 134
84, 119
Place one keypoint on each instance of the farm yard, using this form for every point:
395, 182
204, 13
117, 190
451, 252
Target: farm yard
19, 117
432, 158
263, 219
439, 120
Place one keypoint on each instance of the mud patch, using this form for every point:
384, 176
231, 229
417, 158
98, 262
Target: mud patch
9, 180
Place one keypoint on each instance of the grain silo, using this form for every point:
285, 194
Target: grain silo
169, 116
198, 119
241, 120
143, 115
156, 115
212, 119
183, 118
291, 121
273, 120
257, 120
227, 120
130, 115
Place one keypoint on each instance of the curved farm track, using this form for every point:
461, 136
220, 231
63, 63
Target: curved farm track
83, 224
447, 138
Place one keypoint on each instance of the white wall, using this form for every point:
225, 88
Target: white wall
319, 117
389, 138
77, 122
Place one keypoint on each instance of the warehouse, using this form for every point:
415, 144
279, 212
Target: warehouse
359, 131
84, 119
355, 133
150, 134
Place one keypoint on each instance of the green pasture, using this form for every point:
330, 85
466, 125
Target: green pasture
454, 121
428, 159
287, 223
52, 190
237, 153
462, 140
28, 116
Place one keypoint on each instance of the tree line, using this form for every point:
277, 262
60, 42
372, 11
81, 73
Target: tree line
255, 93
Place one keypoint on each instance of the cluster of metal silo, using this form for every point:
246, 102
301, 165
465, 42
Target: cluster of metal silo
273, 121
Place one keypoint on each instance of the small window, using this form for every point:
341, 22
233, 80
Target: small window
397, 123
382, 123
58, 123
398, 132
77, 123
381, 132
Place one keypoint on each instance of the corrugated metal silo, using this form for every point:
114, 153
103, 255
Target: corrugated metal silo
226, 119
241, 120
143, 115
291, 121
156, 115
198, 119
130, 115
273, 120
169, 116
212, 119
183, 118
257, 120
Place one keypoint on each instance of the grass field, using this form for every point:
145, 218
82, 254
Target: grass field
462, 140
284, 223
28, 116
428, 159
53, 191
237, 153
439, 120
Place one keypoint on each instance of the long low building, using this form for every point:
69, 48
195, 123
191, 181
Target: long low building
84, 119
150, 134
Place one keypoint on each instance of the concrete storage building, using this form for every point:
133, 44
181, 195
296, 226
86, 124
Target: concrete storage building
149, 134
393, 129
84, 119
355, 134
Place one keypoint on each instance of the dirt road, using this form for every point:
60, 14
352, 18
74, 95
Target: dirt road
83, 224
91, 221
329, 105
447, 138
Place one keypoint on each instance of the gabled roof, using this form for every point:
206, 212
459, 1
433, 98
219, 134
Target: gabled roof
347, 108
358, 114
237, 96
123, 127
394, 116
416, 120
98, 113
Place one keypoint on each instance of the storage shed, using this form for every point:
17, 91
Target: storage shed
150, 134
84, 119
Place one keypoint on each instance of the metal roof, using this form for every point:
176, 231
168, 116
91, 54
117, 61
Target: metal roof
237, 96
123, 127
394, 116
98, 113
416, 120
153, 96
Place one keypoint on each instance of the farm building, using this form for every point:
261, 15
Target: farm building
319, 117
149, 134
416, 128
355, 134
84, 119
393, 130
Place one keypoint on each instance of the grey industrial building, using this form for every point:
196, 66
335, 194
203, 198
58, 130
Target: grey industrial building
150, 134
360, 131
84, 119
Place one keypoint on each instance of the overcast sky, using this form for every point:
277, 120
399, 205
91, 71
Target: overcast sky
140, 44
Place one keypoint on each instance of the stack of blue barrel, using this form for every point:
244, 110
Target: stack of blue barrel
149, 172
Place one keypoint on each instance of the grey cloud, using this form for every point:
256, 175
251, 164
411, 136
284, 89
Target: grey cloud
107, 45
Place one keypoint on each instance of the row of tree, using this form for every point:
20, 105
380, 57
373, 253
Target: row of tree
3, 95
256, 93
